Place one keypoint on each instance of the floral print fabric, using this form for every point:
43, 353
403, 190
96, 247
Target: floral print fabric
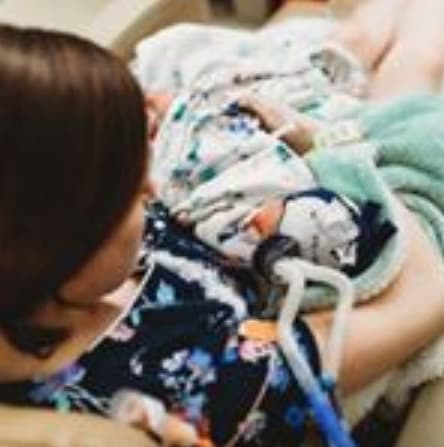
180, 342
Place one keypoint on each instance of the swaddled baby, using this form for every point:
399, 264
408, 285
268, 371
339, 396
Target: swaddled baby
233, 170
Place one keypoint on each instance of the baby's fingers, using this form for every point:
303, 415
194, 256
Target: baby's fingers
269, 116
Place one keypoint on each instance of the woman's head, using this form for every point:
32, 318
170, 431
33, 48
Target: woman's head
72, 163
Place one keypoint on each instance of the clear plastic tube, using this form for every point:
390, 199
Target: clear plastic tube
295, 272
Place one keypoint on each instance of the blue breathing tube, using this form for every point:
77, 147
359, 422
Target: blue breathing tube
278, 261
328, 420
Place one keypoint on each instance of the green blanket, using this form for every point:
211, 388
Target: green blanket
403, 155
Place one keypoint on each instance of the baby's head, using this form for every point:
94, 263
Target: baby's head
72, 175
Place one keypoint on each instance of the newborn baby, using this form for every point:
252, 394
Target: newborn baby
227, 161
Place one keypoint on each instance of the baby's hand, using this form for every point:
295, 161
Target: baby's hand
296, 129
150, 415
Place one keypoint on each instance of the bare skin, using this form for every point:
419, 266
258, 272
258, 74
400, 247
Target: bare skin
369, 32
401, 42
383, 333
403, 64
415, 60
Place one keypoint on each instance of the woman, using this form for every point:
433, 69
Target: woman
72, 223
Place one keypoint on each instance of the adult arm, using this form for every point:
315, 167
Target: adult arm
400, 42
391, 328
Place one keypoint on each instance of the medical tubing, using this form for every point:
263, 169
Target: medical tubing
329, 422
294, 271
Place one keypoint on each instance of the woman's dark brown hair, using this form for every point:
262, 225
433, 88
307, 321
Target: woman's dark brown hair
72, 158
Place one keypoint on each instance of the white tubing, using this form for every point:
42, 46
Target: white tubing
295, 272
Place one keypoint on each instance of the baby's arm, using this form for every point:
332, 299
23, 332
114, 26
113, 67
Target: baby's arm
296, 129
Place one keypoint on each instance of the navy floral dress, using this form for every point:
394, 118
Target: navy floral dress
180, 342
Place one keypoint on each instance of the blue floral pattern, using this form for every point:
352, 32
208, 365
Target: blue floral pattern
181, 346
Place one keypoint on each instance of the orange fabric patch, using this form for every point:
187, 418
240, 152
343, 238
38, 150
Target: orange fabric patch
265, 331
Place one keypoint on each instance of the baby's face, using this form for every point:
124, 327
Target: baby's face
156, 106
266, 220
